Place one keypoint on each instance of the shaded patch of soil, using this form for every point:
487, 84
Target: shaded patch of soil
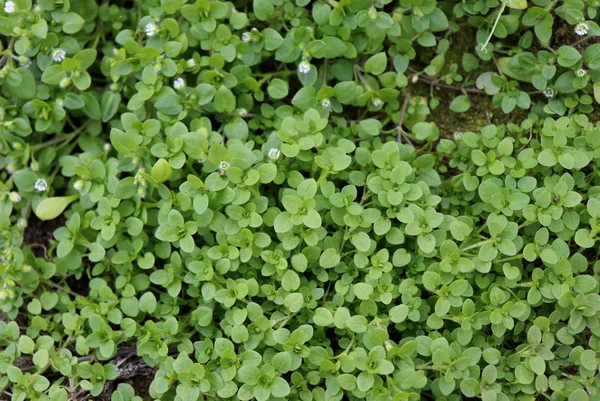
38, 234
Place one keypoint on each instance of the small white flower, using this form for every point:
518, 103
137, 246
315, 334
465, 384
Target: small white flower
78, 186
581, 72
274, 154
326, 103
581, 28
246, 37
10, 168
9, 7
107, 147
41, 185
58, 55
458, 135
224, 165
191, 63
304, 67
142, 192
151, 29
549, 92
376, 102
242, 112
179, 84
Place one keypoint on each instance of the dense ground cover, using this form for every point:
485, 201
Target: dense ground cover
296, 200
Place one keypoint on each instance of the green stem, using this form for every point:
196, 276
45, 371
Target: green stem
484, 45
509, 259
479, 244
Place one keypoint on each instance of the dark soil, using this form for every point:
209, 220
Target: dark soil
38, 234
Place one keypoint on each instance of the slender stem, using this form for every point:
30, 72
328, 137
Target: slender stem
456, 88
479, 244
402, 114
361, 77
580, 41
7, 52
484, 45
50, 142
509, 259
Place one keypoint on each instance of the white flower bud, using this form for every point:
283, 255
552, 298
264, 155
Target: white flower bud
65, 82
304, 67
41, 185
150, 29
14, 197
9, 7
179, 84
274, 154
22, 223
58, 55
582, 28
78, 185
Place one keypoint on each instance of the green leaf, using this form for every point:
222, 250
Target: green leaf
294, 301
161, 171
51, 208
568, 56
357, 324
109, 105
26, 345
71, 23
224, 100
460, 104
322, 317
263, 9
376, 64
399, 313
329, 258
518, 4
278, 89
290, 281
